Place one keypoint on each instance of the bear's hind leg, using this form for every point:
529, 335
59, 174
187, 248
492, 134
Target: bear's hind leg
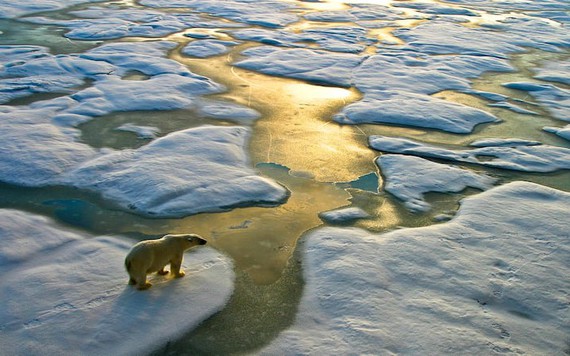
132, 281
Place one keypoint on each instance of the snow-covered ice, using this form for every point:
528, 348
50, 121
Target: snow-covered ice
344, 215
266, 13
563, 132
554, 71
524, 157
13, 9
492, 280
409, 109
556, 100
63, 292
319, 67
207, 48
204, 169
409, 178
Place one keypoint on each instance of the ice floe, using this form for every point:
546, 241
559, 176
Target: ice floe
64, 291
409, 178
563, 132
526, 157
492, 280
409, 109
444, 37
554, 71
315, 66
13, 9
204, 169
345, 215
207, 48
108, 23
337, 39
556, 100
266, 13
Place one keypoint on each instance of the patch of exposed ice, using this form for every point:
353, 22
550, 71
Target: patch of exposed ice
556, 100
64, 291
146, 132
409, 109
409, 178
207, 48
342, 216
491, 280
524, 157
205, 169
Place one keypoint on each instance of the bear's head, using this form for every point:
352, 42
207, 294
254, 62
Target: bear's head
187, 241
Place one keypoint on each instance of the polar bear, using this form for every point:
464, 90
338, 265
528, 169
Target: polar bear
153, 255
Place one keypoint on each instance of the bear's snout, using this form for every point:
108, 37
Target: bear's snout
202, 241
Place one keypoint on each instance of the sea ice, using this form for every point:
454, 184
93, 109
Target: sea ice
443, 37
63, 291
205, 169
337, 39
409, 178
344, 215
556, 100
409, 109
207, 48
525, 157
13, 9
146, 132
98, 23
563, 132
319, 67
554, 71
266, 13
357, 13
491, 280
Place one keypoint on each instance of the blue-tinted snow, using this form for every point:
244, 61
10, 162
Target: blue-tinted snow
491, 280
13, 9
554, 71
207, 48
343, 215
64, 291
266, 13
556, 100
409, 178
417, 110
523, 157
205, 169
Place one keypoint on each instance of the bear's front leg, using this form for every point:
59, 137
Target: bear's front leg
175, 264
142, 284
